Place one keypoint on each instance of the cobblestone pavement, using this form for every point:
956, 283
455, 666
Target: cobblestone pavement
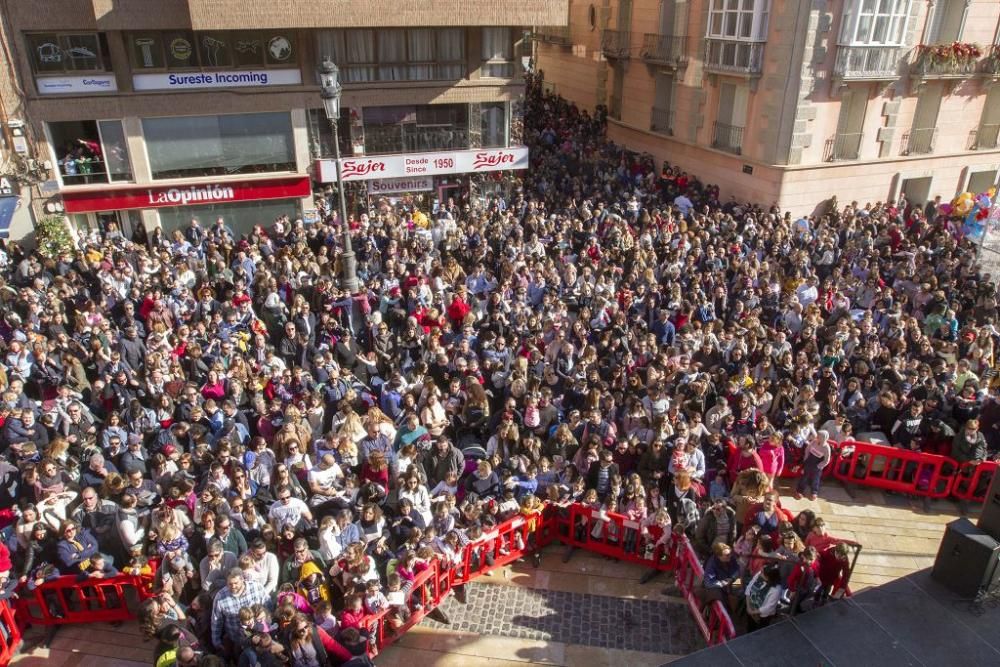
573, 618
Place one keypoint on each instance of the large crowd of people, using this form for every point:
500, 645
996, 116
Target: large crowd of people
606, 330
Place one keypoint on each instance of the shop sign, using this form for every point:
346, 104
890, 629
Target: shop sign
424, 164
6, 187
244, 78
61, 85
159, 196
381, 186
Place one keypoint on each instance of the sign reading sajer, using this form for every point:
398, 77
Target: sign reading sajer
423, 164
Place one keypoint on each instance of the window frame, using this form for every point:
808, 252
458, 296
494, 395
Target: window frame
377, 64
108, 180
749, 20
167, 179
507, 63
165, 36
103, 55
855, 13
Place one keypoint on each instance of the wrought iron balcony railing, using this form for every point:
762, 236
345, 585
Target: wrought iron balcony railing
728, 138
732, 56
668, 50
867, 63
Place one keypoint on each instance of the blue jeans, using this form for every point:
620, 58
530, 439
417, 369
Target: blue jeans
812, 475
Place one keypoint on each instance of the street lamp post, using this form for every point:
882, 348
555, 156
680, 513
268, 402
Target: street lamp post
331, 88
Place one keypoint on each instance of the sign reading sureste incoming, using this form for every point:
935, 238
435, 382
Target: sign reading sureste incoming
244, 78
423, 164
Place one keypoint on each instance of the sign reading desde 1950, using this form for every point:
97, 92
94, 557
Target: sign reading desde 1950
424, 164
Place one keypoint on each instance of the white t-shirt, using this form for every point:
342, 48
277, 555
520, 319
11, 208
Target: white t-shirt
291, 513
326, 480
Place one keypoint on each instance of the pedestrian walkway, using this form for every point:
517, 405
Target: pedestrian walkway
574, 618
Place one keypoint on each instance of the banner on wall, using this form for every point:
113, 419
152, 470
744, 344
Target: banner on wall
228, 79
423, 164
62, 85
159, 196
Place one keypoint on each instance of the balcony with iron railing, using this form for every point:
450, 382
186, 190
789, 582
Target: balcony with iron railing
728, 138
615, 43
381, 139
867, 63
945, 61
843, 146
661, 121
733, 56
987, 136
558, 35
919, 141
669, 50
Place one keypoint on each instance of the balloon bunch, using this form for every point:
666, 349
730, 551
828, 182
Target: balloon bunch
975, 209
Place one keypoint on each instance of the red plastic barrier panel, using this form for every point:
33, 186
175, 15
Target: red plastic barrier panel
972, 481
612, 535
891, 469
10, 633
420, 599
69, 600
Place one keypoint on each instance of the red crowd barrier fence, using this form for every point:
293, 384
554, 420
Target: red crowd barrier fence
972, 481
713, 621
10, 632
892, 469
67, 600
793, 468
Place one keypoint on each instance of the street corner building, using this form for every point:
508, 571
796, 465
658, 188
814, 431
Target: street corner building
792, 102
156, 113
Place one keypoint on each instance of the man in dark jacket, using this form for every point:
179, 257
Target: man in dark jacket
600, 473
444, 458
718, 524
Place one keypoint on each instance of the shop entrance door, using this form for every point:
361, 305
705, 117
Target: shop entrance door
127, 221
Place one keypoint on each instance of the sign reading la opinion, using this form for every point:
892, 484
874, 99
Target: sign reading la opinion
424, 164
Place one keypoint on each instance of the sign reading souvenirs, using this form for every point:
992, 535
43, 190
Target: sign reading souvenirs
185, 195
424, 164
225, 79
387, 185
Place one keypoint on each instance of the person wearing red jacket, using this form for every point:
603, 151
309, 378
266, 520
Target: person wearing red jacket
458, 309
804, 581
834, 569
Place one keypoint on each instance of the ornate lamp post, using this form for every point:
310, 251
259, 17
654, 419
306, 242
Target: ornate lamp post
331, 89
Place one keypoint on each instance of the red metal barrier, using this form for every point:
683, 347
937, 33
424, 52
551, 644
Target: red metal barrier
898, 470
972, 481
69, 600
713, 621
10, 633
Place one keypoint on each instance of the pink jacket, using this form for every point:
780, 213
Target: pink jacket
772, 456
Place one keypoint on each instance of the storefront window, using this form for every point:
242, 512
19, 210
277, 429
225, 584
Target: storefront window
198, 146
89, 152
494, 124
67, 53
226, 49
239, 217
414, 129
397, 54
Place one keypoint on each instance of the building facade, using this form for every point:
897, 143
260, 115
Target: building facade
793, 101
154, 113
